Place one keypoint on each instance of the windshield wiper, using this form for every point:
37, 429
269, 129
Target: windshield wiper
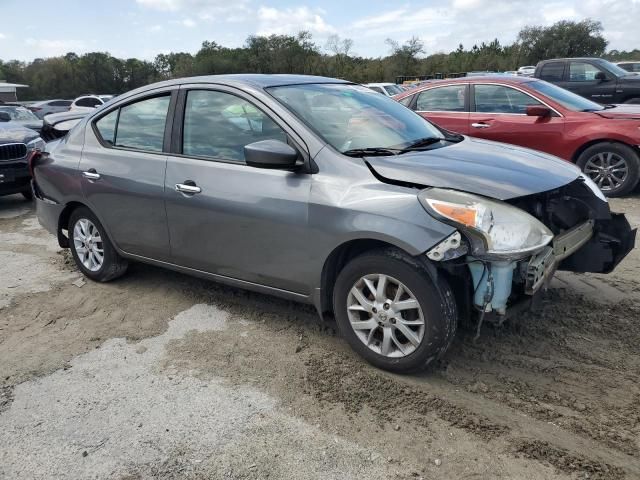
421, 143
371, 151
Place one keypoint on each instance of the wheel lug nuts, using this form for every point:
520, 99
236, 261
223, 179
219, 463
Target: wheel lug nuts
393, 320
386, 306
374, 310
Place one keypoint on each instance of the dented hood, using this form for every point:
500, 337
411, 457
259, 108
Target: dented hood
492, 169
629, 112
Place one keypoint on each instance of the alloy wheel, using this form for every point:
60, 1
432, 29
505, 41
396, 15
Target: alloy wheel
608, 170
88, 245
385, 315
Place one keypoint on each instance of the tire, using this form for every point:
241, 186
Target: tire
83, 223
595, 160
437, 309
27, 194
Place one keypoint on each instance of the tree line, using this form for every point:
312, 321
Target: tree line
98, 72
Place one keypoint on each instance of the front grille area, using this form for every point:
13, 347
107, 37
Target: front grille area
12, 151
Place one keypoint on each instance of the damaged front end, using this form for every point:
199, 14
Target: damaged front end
511, 249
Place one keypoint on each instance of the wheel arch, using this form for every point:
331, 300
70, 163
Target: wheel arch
595, 141
63, 221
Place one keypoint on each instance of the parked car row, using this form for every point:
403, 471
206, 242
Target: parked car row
602, 140
326, 192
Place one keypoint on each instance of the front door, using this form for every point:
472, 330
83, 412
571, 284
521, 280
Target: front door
228, 218
446, 106
582, 80
499, 114
122, 170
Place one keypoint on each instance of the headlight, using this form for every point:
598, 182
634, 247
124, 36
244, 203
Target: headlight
593, 187
495, 229
36, 144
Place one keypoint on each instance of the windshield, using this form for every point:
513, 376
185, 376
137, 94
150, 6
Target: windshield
19, 114
615, 69
354, 117
564, 97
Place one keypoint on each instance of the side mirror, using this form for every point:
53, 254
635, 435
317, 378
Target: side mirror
538, 111
270, 154
5, 117
600, 76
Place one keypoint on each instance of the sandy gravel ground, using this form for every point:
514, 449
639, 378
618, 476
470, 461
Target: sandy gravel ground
159, 375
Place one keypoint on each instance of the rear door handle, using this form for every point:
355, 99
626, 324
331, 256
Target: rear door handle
91, 174
188, 189
480, 125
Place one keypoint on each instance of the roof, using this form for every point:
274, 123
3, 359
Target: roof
242, 79
506, 79
573, 58
259, 79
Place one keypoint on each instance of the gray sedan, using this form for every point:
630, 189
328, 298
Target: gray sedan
323, 191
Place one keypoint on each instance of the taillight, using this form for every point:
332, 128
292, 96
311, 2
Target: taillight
33, 157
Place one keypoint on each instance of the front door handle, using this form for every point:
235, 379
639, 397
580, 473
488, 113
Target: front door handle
91, 174
188, 188
480, 125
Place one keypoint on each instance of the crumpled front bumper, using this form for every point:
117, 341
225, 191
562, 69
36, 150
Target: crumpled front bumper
593, 246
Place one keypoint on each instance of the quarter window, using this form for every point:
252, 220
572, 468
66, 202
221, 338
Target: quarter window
552, 72
501, 99
107, 127
447, 99
582, 72
219, 125
406, 101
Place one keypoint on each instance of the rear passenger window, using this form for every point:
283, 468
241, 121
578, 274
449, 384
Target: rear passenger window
219, 125
552, 71
139, 125
442, 99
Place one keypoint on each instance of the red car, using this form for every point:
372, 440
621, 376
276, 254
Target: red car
604, 141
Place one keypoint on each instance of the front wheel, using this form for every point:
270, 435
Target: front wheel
91, 248
392, 312
614, 167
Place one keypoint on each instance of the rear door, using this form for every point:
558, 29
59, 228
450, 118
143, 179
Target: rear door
447, 106
499, 114
240, 221
123, 167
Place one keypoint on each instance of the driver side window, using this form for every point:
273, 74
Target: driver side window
501, 99
219, 125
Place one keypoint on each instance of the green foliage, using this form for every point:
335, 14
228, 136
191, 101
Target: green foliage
98, 72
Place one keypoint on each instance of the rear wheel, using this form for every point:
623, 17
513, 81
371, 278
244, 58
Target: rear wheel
614, 167
392, 312
92, 250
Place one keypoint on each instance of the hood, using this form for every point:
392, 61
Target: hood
12, 132
492, 169
625, 111
32, 124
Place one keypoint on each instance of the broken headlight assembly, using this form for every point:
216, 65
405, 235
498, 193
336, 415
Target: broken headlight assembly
495, 229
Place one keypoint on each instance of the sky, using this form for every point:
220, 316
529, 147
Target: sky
143, 28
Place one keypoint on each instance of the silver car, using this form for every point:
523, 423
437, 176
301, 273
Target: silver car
323, 191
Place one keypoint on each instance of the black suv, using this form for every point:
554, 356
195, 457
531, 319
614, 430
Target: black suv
16, 145
593, 78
